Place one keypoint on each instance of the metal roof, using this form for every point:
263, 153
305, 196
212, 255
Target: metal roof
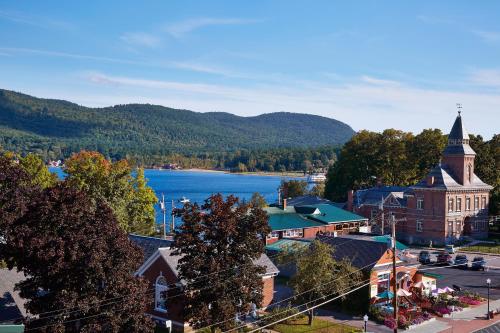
285, 243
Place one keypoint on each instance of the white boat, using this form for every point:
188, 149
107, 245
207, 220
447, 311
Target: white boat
184, 200
316, 178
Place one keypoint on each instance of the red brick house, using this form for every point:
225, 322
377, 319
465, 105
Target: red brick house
160, 269
450, 203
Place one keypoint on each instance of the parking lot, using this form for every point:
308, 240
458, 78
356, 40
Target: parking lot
468, 279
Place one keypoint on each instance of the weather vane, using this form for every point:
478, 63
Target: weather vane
459, 107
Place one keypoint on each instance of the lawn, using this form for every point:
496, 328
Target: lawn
318, 325
482, 247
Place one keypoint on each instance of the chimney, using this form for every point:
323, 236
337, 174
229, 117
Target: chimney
350, 197
284, 204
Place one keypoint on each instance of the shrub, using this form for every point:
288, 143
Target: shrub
469, 300
376, 314
402, 322
426, 315
390, 322
417, 320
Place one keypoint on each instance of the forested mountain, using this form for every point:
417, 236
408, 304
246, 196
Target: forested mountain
148, 133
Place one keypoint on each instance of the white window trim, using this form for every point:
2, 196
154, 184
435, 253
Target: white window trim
159, 288
419, 227
420, 203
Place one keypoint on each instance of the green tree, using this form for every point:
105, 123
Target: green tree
113, 182
222, 237
38, 171
258, 200
318, 190
319, 275
293, 188
76, 259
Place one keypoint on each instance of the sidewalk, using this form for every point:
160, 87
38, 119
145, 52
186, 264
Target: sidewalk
338, 317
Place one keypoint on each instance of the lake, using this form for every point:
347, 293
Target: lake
199, 185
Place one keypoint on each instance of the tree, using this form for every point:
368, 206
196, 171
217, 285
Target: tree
318, 190
38, 171
219, 242
319, 275
293, 188
113, 183
258, 200
77, 260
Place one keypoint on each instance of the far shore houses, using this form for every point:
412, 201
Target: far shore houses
450, 203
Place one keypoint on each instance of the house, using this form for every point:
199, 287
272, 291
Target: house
12, 310
450, 203
375, 259
305, 221
160, 269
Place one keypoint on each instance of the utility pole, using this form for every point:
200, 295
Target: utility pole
395, 283
172, 227
164, 211
381, 207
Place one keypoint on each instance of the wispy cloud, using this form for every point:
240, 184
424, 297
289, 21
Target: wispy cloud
488, 36
179, 29
33, 20
434, 19
140, 39
486, 78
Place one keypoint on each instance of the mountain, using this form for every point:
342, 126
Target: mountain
56, 128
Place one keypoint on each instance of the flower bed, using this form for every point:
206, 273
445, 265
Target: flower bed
469, 300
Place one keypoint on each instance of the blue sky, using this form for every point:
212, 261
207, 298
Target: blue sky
371, 64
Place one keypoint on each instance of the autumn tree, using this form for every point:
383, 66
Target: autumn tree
258, 200
219, 243
38, 171
318, 190
131, 200
318, 275
79, 265
293, 188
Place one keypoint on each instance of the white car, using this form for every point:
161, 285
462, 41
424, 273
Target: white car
450, 249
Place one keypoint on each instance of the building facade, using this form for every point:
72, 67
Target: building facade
450, 203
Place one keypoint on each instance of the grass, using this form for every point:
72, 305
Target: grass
482, 247
318, 325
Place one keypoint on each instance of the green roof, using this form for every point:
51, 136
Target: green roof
11, 328
332, 214
285, 221
386, 239
286, 243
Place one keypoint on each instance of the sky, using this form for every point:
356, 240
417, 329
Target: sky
371, 64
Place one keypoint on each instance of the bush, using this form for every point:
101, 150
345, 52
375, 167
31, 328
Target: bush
402, 322
469, 300
417, 320
376, 314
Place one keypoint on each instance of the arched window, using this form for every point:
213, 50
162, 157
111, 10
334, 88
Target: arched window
161, 288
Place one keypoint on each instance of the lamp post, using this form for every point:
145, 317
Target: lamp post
365, 319
488, 282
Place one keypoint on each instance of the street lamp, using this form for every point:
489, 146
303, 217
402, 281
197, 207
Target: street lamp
488, 282
365, 319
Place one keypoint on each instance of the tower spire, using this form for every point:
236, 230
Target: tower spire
459, 108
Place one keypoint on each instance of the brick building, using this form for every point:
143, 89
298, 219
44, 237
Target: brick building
160, 269
450, 203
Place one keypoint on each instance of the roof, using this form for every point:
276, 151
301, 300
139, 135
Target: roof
361, 253
458, 131
444, 180
11, 304
307, 200
374, 195
149, 244
173, 261
11, 328
308, 216
286, 243
458, 140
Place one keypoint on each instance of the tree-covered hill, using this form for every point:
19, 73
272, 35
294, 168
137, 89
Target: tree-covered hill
57, 128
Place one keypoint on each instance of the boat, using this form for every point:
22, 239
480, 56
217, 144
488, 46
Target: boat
316, 178
184, 200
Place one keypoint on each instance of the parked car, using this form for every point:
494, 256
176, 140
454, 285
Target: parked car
478, 263
450, 249
444, 258
461, 261
424, 257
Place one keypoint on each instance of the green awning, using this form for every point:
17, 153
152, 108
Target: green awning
432, 275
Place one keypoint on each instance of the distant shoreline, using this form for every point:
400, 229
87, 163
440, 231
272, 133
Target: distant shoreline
255, 173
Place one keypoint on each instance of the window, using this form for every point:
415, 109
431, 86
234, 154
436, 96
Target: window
469, 173
273, 234
476, 203
483, 202
420, 226
293, 233
467, 203
382, 282
161, 289
420, 203
374, 213
458, 227
459, 204
450, 204
449, 232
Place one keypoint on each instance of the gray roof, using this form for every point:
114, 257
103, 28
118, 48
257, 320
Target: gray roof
458, 131
305, 200
444, 180
11, 304
373, 195
149, 245
362, 253
463, 149
173, 261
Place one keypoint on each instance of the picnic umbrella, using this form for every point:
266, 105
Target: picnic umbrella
448, 290
402, 292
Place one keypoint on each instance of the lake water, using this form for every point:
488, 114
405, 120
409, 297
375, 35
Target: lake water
199, 185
